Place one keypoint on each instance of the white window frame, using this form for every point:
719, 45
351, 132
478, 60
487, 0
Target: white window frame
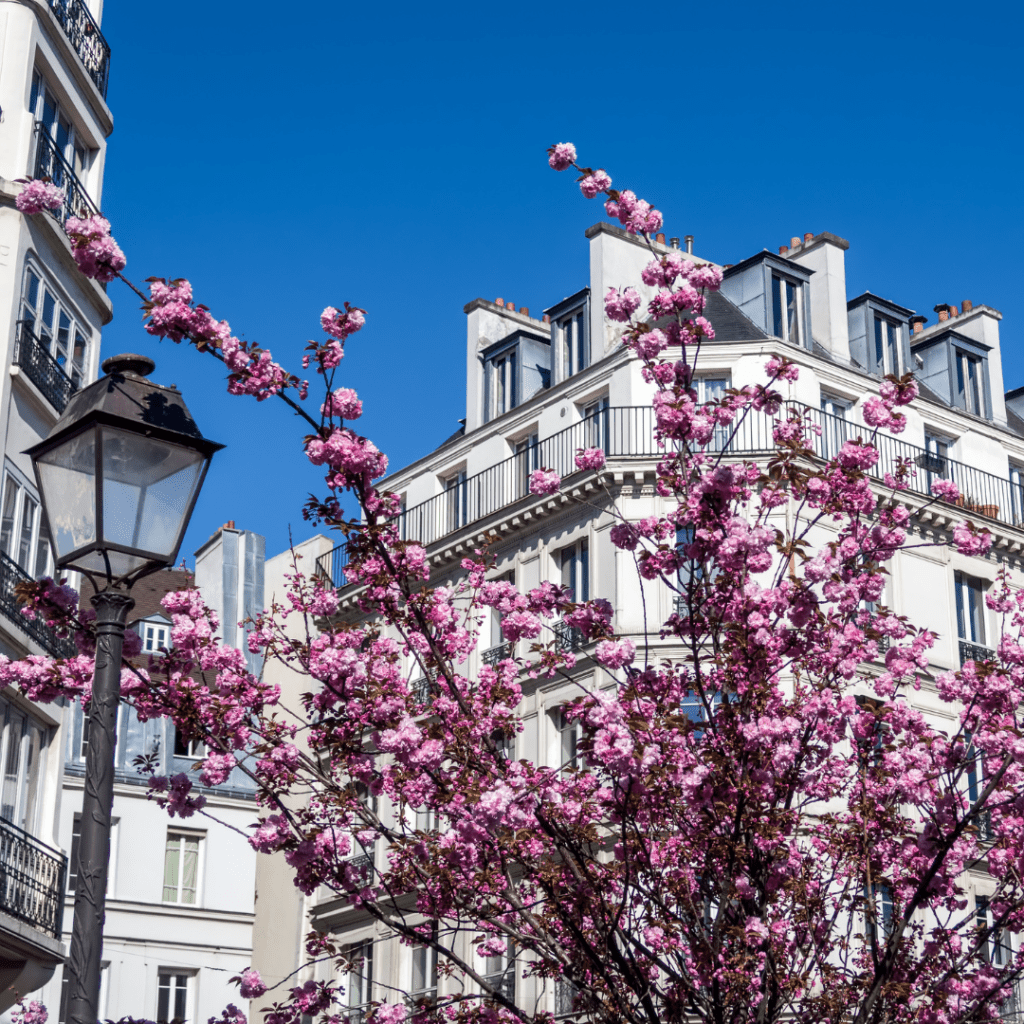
886, 345
423, 978
176, 973
504, 375
184, 835
789, 329
567, 737
456, 499
359, 984
55, 324
576, 574
24, 538
971, 612
970, 381
595, 414
155, 633
526, 451
572, 342
16, 752
500, 971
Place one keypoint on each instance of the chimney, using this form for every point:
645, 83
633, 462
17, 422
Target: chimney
795, 242
783, 249
229, 525
547, 318
688, 239
660, 237
525, 310
943, 310
967, 305
953, 311
499, 302
674, 242
808, 237
917, 323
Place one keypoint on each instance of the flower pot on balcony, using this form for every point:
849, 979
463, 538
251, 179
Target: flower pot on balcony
992, 511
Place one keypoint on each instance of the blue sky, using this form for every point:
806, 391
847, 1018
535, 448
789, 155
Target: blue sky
287, 157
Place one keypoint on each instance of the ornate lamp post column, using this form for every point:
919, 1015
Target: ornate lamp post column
118, 478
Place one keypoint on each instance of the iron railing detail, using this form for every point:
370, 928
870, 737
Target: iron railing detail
41, 368
628, 432
498, 653
423, 689
10, 575
85, 36
570, 638
51, 164
566, 994
974, 652
505, 982
32, 877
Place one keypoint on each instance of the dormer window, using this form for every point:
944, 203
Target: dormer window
515, 369
504, 377
888, 340
969, 383
570, 335
787, 296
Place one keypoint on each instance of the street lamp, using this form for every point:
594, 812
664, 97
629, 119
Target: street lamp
118, 478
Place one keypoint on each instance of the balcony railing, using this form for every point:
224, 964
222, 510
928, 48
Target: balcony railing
42, 369
10, 575
570, 638
498, 653
50, 163
627, 432
974, 652
85, 36
31, 880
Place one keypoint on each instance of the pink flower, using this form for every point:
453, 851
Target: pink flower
544, 481
875, 412
344, 403
96, 253
969, 540
777, 368
37, 196
621, 306
946, 489
589, 458
252, 986
562, 155
615, 653
341, 324
33, 1012
594, 183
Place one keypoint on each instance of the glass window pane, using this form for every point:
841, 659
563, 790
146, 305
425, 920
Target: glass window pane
63, 337
163, 1001
49, 311
32, 290
12, 765
10, 506
28, 522
49, 111
180, 996
777, 319
67, 474
35, 741
792, 316
190, 870
172, 864
148, 487
42, 564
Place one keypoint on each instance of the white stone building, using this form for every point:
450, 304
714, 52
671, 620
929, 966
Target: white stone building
53, 76
539, 389
179, 891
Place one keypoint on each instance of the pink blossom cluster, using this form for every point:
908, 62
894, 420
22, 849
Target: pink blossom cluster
343, 402
37, 196
32, 1012
95, 251
562, 156
544, 481
637, 216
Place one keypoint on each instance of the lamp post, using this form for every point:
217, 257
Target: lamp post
118, 478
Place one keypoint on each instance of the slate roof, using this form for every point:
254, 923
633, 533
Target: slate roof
729, 321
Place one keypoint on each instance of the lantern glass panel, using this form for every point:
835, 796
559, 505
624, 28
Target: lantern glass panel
148, 489
67, 477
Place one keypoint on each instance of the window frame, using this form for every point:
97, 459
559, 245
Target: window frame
595, 415
574, 562
503, 369
184, 835
454, 487
887, 337
426, 993
74, 148
789, 329
13, 536
29, 778
190, 975
70, 353
571, 341
357, 1010
970, 608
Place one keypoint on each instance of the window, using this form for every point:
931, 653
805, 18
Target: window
527, 459
835, 413
575, 565
970, 609
994, 942
456, 504
566, 994
53, 325
1017, 493
423, 991
975, 777
503, 372
879, 912
786, 309
694, 709
888, 338
688, 570
56, 123
187, 748
935, 460
573, 342
595, 424
969, 386
712, 389
23, 535
181, 868
359, 986
500, 972
154, 636
22, 747
174, 995
568, 739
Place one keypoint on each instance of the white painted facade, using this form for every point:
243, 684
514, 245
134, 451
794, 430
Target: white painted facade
53, 63
472, 488
180, 892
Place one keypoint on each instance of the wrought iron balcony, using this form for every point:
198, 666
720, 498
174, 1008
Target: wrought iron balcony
362, 865
504, 982
566, 994
570, 638
628, 432
10, 575
85, 36
423, 689
498, 653
32, 878
51, 164
974, 652
41, 368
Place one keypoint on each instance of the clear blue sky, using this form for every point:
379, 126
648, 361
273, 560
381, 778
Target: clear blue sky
289, 156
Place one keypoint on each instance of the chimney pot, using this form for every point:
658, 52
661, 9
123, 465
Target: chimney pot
525, 310
808, 237
795, 242
674, 242
783, 249
499, 302
943, 310
547, 318
953, 311
917, 323
660, 237
689, 244
967, 305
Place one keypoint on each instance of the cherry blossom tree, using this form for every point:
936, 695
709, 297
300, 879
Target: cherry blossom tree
796, 849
